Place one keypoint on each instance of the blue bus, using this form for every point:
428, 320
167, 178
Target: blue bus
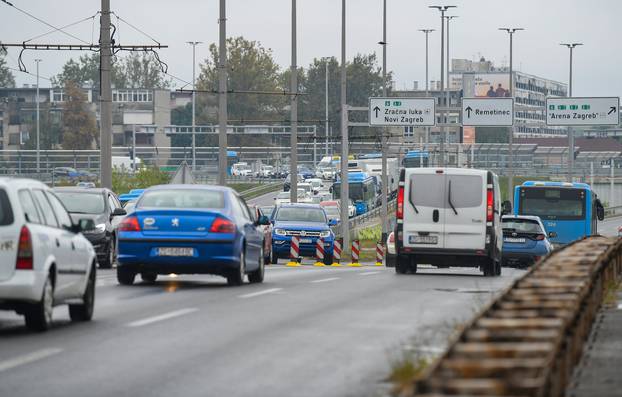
363, 191
569, 211
416, 158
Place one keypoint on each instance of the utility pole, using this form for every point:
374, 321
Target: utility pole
222, 97
345, 189
194, 144
511, 32
448, 97
427, 81
38, 123
384, 131
293, 164
326, 105
442, 9
105, 97
571, 47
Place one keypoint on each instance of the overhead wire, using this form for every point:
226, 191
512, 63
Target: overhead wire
133, 27
92, 17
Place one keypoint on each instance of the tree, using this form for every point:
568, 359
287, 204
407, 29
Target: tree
251, 67
79, 128
142, 71
7, 80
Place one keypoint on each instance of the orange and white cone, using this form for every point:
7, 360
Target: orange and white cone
319, 252
294, 252
379, 253
355, 254
337, 244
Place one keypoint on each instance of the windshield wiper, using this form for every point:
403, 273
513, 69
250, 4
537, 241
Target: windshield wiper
449, 199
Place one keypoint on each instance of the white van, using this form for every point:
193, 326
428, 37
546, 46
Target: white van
449, 217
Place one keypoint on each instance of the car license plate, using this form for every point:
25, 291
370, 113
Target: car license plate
306, 241
514, 240
423, 239
175, 251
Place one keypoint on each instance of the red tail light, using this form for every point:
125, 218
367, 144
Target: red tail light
129, 224
540, 237
400, 203
24, 250
489, 206
222, 225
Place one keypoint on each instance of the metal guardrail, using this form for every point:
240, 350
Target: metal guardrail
526, 342
260, 190
375, 213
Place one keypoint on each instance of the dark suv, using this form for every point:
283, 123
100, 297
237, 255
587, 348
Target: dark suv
104, 208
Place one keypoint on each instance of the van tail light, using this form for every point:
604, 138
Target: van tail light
222, 225
489, 206
540, 237
24, 250
129, 224
400, 203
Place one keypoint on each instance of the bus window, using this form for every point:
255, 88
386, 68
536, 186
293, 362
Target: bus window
553, 203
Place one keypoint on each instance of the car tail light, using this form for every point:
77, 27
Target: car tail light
540, 237
129, 224
222, 225
400, 203
489, 206
24, 250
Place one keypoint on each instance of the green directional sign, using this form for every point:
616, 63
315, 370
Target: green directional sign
402, 112
582, 111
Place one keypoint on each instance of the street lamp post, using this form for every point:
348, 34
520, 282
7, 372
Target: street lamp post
448, 63
442, 9
427, 80
326, 103
38, 123
383, 140
293, 171
194, 146
511, 32
344, 188
571, 47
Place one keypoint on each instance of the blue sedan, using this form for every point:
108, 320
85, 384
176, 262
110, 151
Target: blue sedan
524, 240
191, 229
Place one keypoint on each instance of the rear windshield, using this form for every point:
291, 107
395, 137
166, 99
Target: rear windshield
521, 226
82, 203
6, 212
432, 190
188, 198
298, 214
553, 203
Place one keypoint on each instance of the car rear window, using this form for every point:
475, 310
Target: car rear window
427, 190
6, 212
521, 225
432, 190
82, 202
188, 198
466, 191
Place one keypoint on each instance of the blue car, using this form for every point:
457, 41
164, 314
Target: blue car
524, 240
307, 221
190, 229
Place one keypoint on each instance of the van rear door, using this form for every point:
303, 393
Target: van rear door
424, 212
465, 219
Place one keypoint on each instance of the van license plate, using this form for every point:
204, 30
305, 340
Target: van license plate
423, 239
514, 240
175, 251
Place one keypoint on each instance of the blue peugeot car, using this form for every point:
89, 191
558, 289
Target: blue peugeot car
190, 229
524, 240
307, 221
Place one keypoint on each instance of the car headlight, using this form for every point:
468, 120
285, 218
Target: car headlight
280, 232
325, 233
100, 227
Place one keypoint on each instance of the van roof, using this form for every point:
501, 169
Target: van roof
462, 171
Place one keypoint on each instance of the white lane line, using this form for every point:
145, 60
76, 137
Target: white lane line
324, 280
264, 292
161, 317
28, 358
367, 273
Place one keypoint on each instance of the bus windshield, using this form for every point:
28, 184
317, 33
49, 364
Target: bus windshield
553, 203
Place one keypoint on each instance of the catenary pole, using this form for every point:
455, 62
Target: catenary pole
345, 189
38, 123
194, 143
222, 96
105, 97
384, 131
293, 163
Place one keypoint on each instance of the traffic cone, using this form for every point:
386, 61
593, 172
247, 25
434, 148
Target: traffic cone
379, 253
294, 251
355, 254
319, 253
337, 244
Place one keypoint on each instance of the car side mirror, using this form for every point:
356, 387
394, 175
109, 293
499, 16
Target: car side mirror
333, 222
263, 220
552, 234
600, 210
119, 212
506, 207
84, 225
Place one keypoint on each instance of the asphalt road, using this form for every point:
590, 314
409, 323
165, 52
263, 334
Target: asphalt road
609, 227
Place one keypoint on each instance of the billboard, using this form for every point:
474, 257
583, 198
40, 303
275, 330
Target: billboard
491, 85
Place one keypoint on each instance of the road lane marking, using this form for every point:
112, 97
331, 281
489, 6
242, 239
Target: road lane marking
264, 292
28, 358
161, 317
324, 280
367, 273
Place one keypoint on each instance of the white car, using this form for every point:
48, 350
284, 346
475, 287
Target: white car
44, 259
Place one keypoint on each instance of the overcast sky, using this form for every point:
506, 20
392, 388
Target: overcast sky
596, 23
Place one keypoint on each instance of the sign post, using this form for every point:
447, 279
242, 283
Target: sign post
577, 111
396, 111
488, 112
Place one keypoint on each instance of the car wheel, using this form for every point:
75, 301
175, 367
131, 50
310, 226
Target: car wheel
84, 311
257, 276
273, 258
149, 278
125, 277
110, 256
401, 265
236, 277
39, 315
328, 260
489, 269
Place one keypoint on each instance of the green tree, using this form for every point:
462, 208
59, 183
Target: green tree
142, 71
79, 128
7, 80
251, 67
